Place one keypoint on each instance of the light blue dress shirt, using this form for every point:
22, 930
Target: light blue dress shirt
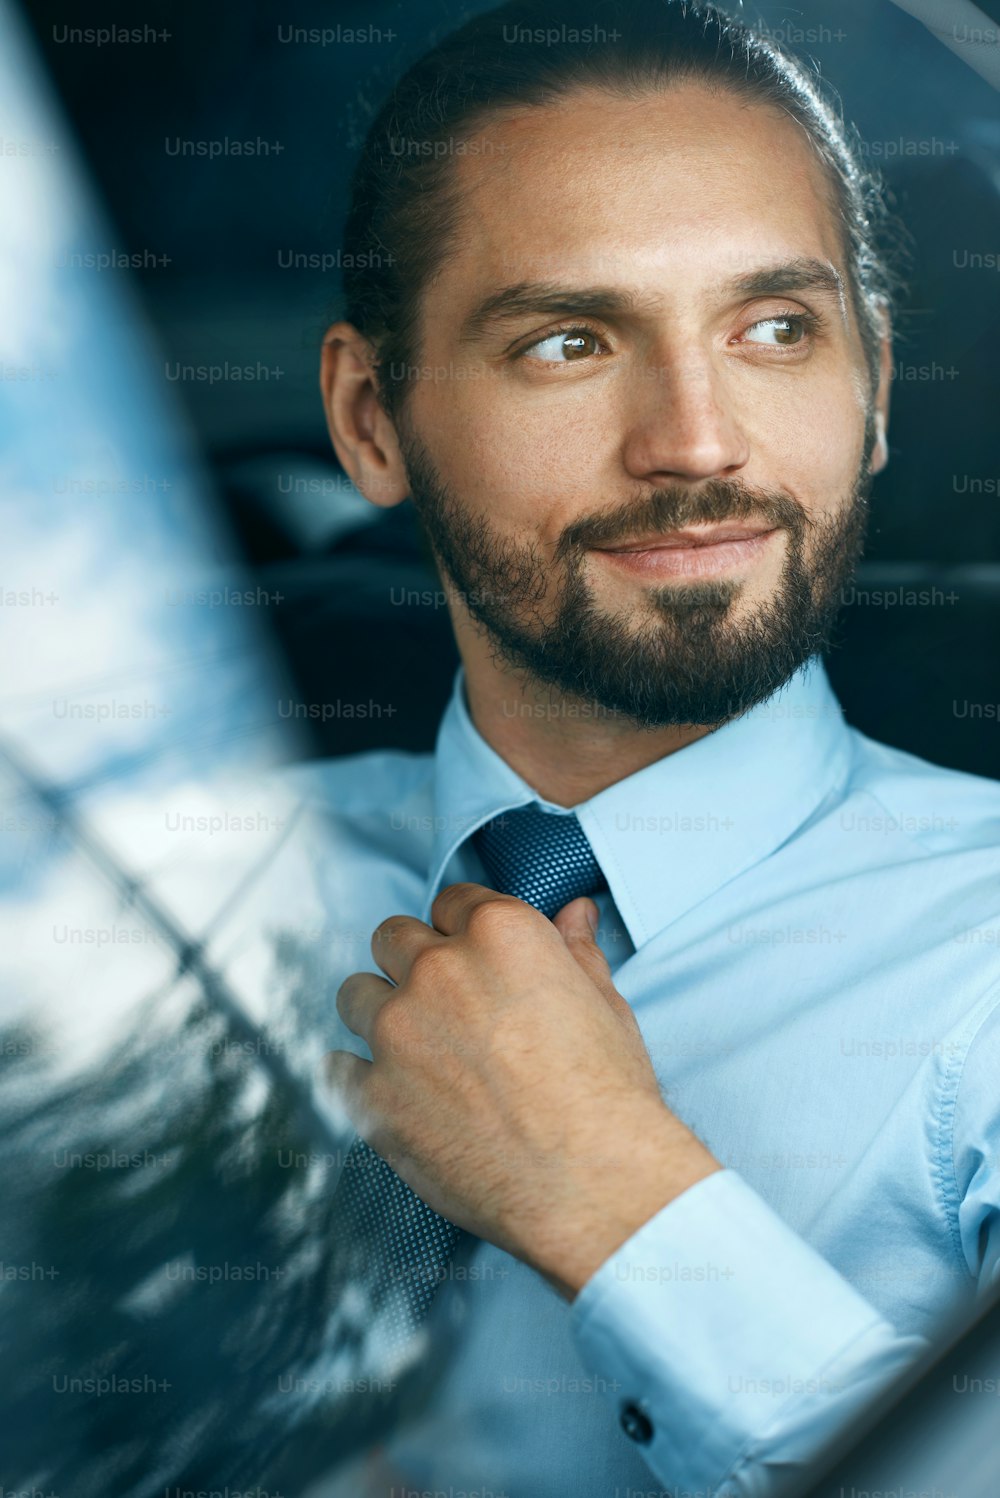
806, 924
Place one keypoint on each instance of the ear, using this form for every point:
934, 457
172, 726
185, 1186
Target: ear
879, 455
363, 436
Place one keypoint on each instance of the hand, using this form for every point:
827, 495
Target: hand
510, 1086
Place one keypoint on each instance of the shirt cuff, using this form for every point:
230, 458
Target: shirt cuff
737, 1351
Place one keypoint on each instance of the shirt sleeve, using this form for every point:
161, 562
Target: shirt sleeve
973, 1166
738, 1350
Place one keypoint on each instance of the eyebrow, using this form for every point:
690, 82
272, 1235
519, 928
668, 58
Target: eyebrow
546, 297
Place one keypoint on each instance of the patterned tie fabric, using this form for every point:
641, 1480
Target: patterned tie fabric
394, 1249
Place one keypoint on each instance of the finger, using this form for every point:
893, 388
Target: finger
348, 1077
580, 936
397, 940
359, 998
452, 907
352, 1079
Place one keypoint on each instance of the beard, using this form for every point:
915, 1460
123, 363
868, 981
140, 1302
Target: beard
688, 661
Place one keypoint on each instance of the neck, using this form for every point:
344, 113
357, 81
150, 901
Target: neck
566, 749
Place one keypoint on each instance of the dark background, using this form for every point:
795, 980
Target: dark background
922, 675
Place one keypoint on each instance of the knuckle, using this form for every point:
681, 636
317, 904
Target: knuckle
385, 1026
443, 898
344, 996
429, 964
493, 918
387, 929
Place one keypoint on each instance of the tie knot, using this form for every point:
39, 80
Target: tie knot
542, 857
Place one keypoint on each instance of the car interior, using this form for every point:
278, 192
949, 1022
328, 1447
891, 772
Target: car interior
229, 260
252, 278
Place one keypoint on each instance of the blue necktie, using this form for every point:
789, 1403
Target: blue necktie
393, 1249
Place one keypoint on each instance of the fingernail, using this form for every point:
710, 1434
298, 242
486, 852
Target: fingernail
592, 916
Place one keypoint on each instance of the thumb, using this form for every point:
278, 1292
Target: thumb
577, 925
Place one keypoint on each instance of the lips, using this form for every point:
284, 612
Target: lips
693, 537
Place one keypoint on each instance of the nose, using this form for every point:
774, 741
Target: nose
682, 422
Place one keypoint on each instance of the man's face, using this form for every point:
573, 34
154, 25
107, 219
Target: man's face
693, 371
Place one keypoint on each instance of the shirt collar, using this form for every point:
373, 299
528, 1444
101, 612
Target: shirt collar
671, 834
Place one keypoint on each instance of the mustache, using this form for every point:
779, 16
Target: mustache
671, 509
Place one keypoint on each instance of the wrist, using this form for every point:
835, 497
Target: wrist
638, 1172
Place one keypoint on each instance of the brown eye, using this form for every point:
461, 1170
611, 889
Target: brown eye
565, 346
777, 331
577, 345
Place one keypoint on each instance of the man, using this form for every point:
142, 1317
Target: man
727, 1158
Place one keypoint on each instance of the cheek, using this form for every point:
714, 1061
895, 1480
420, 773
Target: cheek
810, 444
527, 470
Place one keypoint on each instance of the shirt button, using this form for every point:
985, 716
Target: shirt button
635, 1424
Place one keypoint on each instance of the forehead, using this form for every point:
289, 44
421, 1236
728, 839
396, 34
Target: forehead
679, 189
